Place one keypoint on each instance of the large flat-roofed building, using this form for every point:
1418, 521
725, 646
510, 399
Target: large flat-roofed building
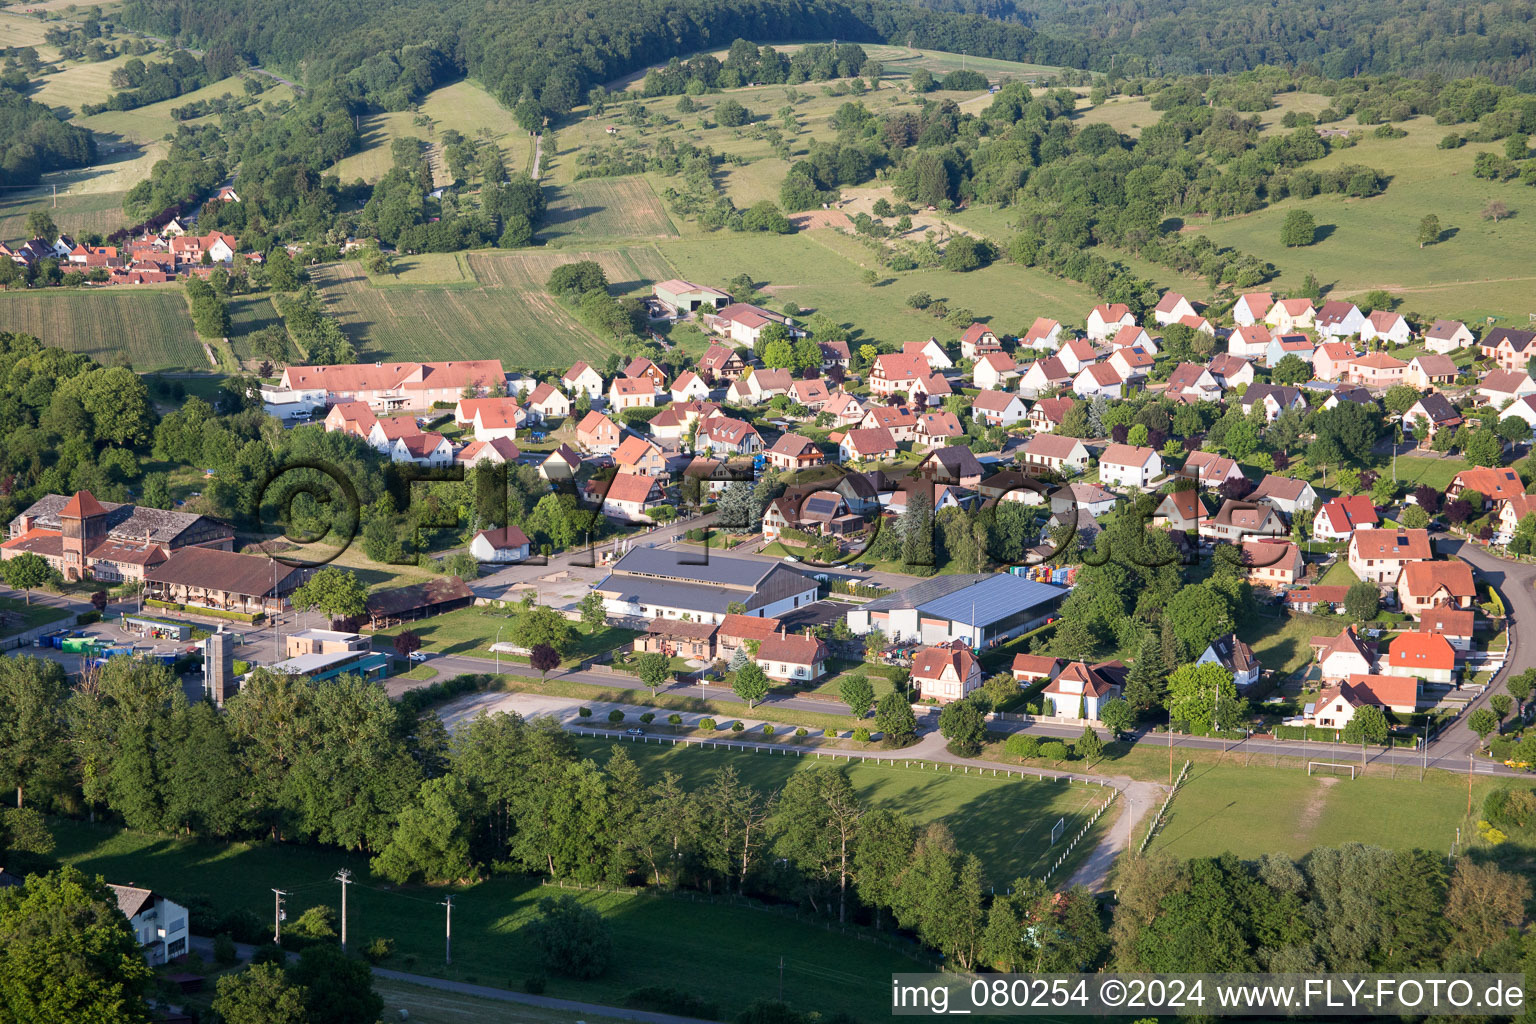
981, 608
324, 641
654, 583
364, 664
390, 386
85, 538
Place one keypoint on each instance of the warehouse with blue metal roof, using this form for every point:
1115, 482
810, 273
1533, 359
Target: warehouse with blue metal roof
980, 608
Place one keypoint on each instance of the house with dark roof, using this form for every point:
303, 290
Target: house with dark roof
679, 638
387, 608
1339, 657
659, 583
1237, 520
1285, 494
1339, 319
957, 466
161, 927
1431, 413
1274, 398
1236, 657
222, 580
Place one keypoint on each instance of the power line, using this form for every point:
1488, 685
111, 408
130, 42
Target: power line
277, 914
344, 877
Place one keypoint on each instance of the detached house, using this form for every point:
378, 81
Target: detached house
1501, 387
1425, 585
994, 371
1285, 494
1430, 371
1129, 466
497, 452
1512, 348
792, 657
1275, 399
1236, 657
1444, 336
1252, 308
636, 454
720, 362
1282, 345
935, 429
1171, 308
1375, 370
1044, 375
1434, 412
431, 450
743, 323
1098, 379
998, 408
1336, 705
631, 393
1249, 342
1425, 656
865, 443
1380, 555
1231, 371
1387, 326
978, 341
1342, 656
1132, 337
1237, 520
724, 435
1272, 562
1078, 353
1210, 470
1454, 624
931, 352
1048, 413
1331, 360
689, 387
1104, 320
1080, 690
792, 451
1338, 319
581, 377
597, 433
812, 394
1181, 511
1340, 517
946, 672
1131, 364
1064, 455
628, 496
548, 402
1191, 380
897, 373
1044, 333
1494, 484
1290, 315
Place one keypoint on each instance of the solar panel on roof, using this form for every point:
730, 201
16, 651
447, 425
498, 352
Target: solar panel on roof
991, 600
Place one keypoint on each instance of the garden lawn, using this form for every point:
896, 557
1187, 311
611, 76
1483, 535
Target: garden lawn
16, 616
1250, 811
1285, 645
148, 324
472, 631
1005, 820
697, 946
1339, 574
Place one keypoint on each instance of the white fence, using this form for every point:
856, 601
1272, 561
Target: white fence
1157, 819
1081, 833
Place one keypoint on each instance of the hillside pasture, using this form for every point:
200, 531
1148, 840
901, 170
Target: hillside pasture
506, 314
152, 122
17, 30
604, 208
77, 83
76, 214
463, 106
149, 325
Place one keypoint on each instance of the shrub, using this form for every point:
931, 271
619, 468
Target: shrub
802, 732
665, 999
379, 950
706, 723
571, 939
861, 735
224, 949
648, 718
584, 712
737, 727
674, 719
534, 984
767, 729
830, 734
615, 716
317, 924
1022, 745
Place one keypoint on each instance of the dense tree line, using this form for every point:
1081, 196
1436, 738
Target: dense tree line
35, 141
140, 84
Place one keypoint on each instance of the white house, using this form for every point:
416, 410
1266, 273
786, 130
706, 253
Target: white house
160, 926
1387, 326
998, 408
932, 352
1079, 690
1098, 379
1250, 341
1105, 319
1338, 319
1446, 336
689, 387
548, 402
945, 673
508, 544
1044, 333
583, 377
1076, 354
1499, 387
1129, 466
1172, 308
994, 371
1236, 657
1252, 308
431, 450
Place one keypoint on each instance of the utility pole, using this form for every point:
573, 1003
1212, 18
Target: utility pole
1170, 753
781, 977
448, 932
277, 914
344, 876
1424, 764
1469, 783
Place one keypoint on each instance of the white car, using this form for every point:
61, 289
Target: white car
418, 655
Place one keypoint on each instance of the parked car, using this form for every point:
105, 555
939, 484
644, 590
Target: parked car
418, 656
634, 732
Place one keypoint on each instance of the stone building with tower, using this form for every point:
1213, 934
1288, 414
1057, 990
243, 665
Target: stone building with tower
88, 539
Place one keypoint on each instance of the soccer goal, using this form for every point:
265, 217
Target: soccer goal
1057, 829
1322, 765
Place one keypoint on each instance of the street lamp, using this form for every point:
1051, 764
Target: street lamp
496, 647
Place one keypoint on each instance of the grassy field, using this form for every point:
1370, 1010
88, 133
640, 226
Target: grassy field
1005, 821
471, 631
16, 30
605, 208
463, 106
1478, 269
820, 270
434, 1006
16, 616
1252, 811
507, 315
152, 122
150, 325
660, 940
247, 315
1284, 645
99, 212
